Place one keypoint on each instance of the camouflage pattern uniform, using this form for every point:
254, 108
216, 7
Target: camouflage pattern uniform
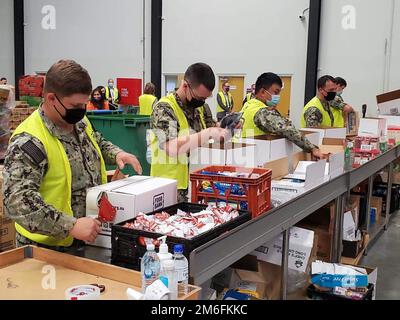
166, 126
338, 103
313, 116
24, 170
208, 117
272, 122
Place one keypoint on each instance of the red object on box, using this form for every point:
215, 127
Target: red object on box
257, 189
107, 211
31, 85
129, 91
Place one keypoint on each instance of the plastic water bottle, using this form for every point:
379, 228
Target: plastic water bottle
181, 267
149, 267
169, 277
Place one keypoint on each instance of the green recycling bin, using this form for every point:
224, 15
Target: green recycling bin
126, 131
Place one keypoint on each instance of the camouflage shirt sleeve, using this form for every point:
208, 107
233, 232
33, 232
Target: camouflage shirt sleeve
337, 103
271, 122
164, 123
23, 174
313, 117
108, 150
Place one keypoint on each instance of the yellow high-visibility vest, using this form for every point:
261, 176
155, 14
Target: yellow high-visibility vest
56, 186
146, 102
249, 110
164, 166
315, 102
224, 102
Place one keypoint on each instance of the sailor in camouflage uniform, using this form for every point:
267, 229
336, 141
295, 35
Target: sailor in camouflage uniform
261, 117
177, 113
28, 164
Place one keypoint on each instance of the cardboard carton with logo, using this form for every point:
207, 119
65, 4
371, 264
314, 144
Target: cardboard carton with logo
129, 197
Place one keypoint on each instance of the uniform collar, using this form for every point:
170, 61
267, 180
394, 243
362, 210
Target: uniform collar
56, 131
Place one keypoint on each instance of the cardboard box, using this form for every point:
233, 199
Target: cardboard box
372, 127
377, 204
301, 242
313, 137
236, 154
389, 103
336, 133
352, 123
314, 173
332, 145
339, 274
391, 121
7, 234
130, 196
354, 207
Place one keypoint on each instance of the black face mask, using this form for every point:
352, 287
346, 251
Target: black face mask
330, 96
194, 103
72, 116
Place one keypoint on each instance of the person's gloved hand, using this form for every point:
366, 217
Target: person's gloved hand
232, 121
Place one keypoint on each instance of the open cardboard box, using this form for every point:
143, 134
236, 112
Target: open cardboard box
27, 267
372, 127
332, 145
223, 154
269, 147
337, 133
264, 277
352, 123
389, 103
314, 173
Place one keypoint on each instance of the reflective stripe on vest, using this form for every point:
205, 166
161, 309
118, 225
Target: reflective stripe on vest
224, 102
249, 110
315, 102
202, 117
56, 186
162, 165
146, 102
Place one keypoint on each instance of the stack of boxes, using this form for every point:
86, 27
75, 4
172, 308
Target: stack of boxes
371, 140
31, 89
21, 111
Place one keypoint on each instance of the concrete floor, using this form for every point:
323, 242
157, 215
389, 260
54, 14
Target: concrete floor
384, 253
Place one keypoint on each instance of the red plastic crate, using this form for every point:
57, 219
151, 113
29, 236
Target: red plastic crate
257, 190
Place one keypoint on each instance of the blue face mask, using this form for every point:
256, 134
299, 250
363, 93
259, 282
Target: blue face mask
274, 101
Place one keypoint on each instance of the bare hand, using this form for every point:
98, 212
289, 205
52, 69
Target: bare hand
347, 109
218, 134
86, 229
316, 153
124, 158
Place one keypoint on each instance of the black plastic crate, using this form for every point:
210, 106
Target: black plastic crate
314, 294
128, 249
